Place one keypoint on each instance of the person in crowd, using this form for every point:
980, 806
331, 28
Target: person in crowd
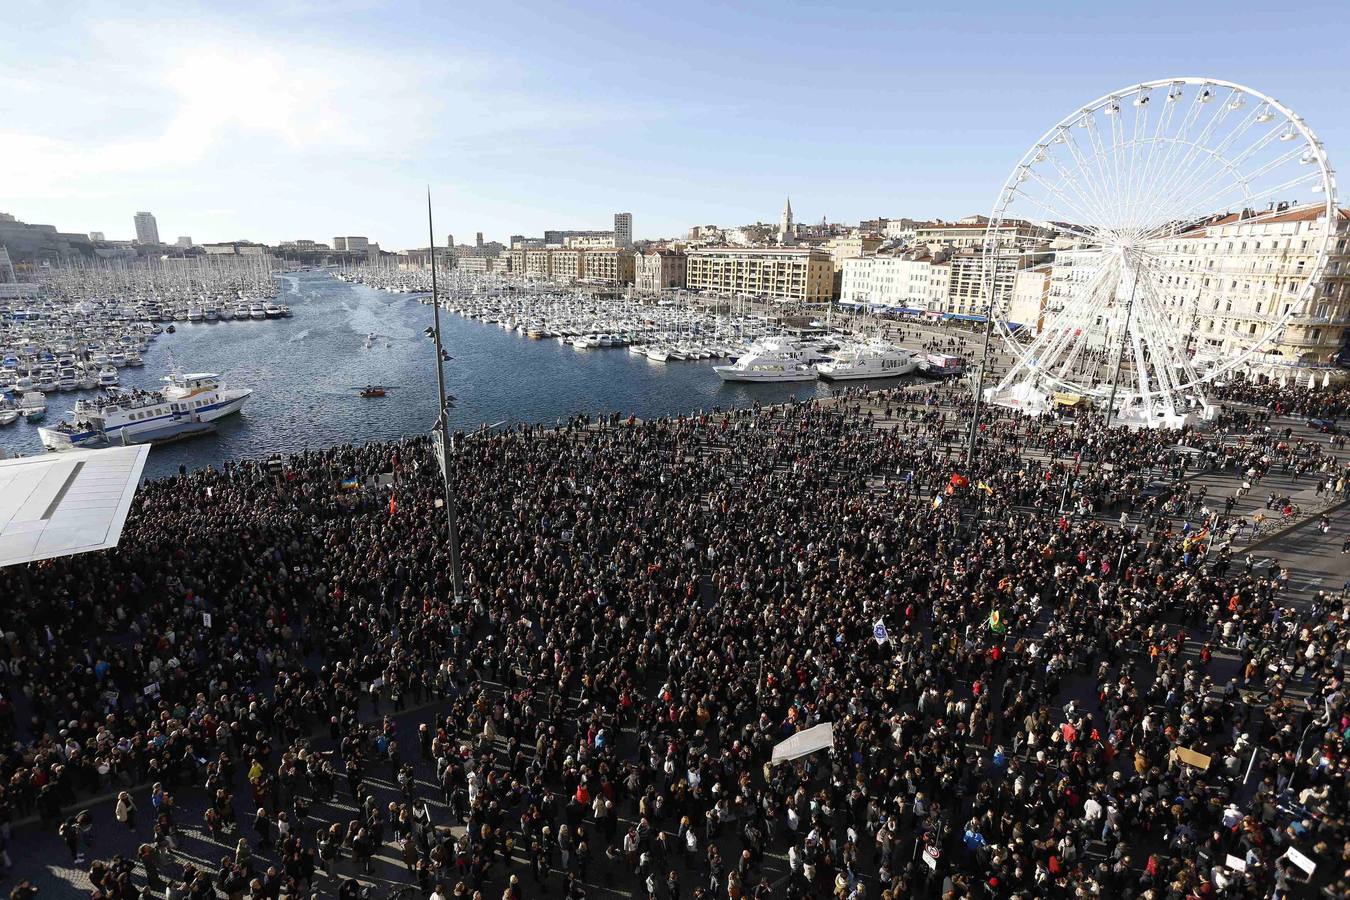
1043, 678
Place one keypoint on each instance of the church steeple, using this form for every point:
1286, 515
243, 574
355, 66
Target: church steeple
785, 230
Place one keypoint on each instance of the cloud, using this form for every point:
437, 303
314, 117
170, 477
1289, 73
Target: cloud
131, 99
150, 100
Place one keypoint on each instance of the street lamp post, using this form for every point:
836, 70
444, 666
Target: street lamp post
1120, 355
984, 357
442, 418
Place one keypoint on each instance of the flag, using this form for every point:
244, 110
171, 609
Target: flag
393, 505
350, 484
996, 624
986, 488
879, 632
958, 480
937, 501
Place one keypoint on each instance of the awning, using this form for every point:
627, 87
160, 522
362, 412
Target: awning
59, 504
962, 317
910, 311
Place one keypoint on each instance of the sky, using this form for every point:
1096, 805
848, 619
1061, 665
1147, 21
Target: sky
311, 118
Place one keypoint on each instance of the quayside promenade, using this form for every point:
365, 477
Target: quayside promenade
1053, 672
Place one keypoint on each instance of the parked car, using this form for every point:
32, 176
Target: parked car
1326, 426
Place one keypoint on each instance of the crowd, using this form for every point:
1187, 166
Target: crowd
1042, 681
1296, 400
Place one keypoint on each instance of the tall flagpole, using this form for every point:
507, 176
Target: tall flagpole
442, 418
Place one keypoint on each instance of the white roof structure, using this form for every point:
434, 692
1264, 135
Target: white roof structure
59, 504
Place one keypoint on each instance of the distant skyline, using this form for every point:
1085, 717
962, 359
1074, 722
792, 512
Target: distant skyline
308, 119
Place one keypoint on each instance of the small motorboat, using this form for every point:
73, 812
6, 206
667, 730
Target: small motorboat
170, 329
33, 405
373, 390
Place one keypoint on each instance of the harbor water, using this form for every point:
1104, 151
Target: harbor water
305, 372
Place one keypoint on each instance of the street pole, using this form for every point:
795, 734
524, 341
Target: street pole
1320, 722
1120, 355
984, 361
442, 418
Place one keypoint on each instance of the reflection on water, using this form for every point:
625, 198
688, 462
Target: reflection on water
306, 370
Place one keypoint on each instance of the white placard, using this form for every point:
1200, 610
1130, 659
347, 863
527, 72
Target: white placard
820, 737
206, 619
1236, 863
1298, 859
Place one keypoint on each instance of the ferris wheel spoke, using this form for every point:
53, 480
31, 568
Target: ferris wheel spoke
1195, 153
1054, 332
1235, 163
1090, 203
1150, 171
1097, 184
1109, 179
1099, 293
1189, 202
1196, 208
1162, 331
1118, 168
1169, 165
1071, 209
1052, 217
1081, 331
1139, 146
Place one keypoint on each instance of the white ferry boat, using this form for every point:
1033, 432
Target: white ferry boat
130, 417
875, 359
771, 359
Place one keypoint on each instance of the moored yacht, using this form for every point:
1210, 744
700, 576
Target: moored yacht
768, 360
874, 359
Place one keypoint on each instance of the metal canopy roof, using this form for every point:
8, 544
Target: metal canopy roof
59, 504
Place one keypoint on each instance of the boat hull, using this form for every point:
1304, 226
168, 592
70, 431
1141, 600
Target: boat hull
857, 374
731, 373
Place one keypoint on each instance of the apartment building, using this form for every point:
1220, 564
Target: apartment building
968, 233
851, 247
966, 293
912, 281
607, 265
1228, 282
537, 263
779, 273
660, 270
1030, 297
568, 262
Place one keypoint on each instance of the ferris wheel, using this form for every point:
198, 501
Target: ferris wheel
1182, 223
